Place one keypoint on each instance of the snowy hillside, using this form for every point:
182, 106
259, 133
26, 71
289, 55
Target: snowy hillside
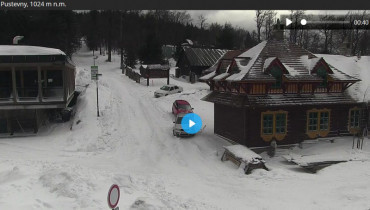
132, 145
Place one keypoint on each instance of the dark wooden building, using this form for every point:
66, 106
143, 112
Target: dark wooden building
33, 81
196, 60
155, 71
279, 91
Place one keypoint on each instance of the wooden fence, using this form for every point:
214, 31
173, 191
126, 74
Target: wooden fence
132, 74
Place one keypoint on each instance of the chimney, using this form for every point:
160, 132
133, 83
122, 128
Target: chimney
278, 32
17, 39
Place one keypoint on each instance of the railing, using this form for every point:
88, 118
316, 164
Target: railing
53, 93
27, 93
132, 74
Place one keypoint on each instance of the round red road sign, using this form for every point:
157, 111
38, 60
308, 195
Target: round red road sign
113, 196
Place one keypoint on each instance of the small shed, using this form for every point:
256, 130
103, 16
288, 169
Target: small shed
155, 71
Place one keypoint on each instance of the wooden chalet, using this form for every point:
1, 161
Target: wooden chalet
279, 91
196, 60
33, 81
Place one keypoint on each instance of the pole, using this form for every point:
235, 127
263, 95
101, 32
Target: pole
97, 96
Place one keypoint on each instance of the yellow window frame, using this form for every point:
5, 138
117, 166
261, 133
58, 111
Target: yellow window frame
318, 131
278, 136
353, 130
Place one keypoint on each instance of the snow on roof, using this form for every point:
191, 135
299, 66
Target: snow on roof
309, 63
267, 63
292, 71
243, 152
13, 50
156, 66
208, 76
355, 67
203, 56
221, 76
253, 54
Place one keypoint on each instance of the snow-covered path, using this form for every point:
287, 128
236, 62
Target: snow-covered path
131, 144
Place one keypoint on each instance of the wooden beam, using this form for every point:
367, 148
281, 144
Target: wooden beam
39, 82
64, 83
168, 77
14, 85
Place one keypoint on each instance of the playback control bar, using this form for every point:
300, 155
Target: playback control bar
325, 22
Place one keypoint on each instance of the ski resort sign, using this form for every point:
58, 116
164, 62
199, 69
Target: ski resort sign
113, 197
94, 72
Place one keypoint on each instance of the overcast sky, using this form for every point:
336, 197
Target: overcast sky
243, 18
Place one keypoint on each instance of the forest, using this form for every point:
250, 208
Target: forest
139, 35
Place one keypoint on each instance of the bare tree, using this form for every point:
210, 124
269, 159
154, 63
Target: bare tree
202, 21
295, 16
182, 17
327, 33
270, 16
260, 18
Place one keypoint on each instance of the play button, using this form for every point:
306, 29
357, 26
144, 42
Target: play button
191, 123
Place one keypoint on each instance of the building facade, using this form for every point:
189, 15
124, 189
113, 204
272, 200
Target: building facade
33, 81
279, 91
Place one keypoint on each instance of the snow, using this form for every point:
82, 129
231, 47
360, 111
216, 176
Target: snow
131, 144
355, 67
221, 76
267, 63
253, 54
309, 63
292, 71
243, 152
208, 76
28, 50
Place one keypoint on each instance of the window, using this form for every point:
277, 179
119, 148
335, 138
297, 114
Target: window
321, 72
312, 121
354, 120
273, 125
280, 123
278, 75
268, 123
5, 84
324, 120
318, 122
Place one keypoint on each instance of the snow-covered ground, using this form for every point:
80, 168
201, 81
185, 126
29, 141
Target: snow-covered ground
131, 144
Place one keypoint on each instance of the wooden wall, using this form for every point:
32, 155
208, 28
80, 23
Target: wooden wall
244, 125
229, 122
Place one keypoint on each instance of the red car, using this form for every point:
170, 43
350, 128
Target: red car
181, 106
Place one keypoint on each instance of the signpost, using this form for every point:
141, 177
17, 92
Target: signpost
113, 197
95, 76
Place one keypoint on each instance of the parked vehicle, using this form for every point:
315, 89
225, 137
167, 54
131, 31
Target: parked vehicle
177, 128
167, 90
181, 106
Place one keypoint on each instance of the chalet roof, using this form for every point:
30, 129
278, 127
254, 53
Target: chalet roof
203, 56
229, 55
298, 62
278, 99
